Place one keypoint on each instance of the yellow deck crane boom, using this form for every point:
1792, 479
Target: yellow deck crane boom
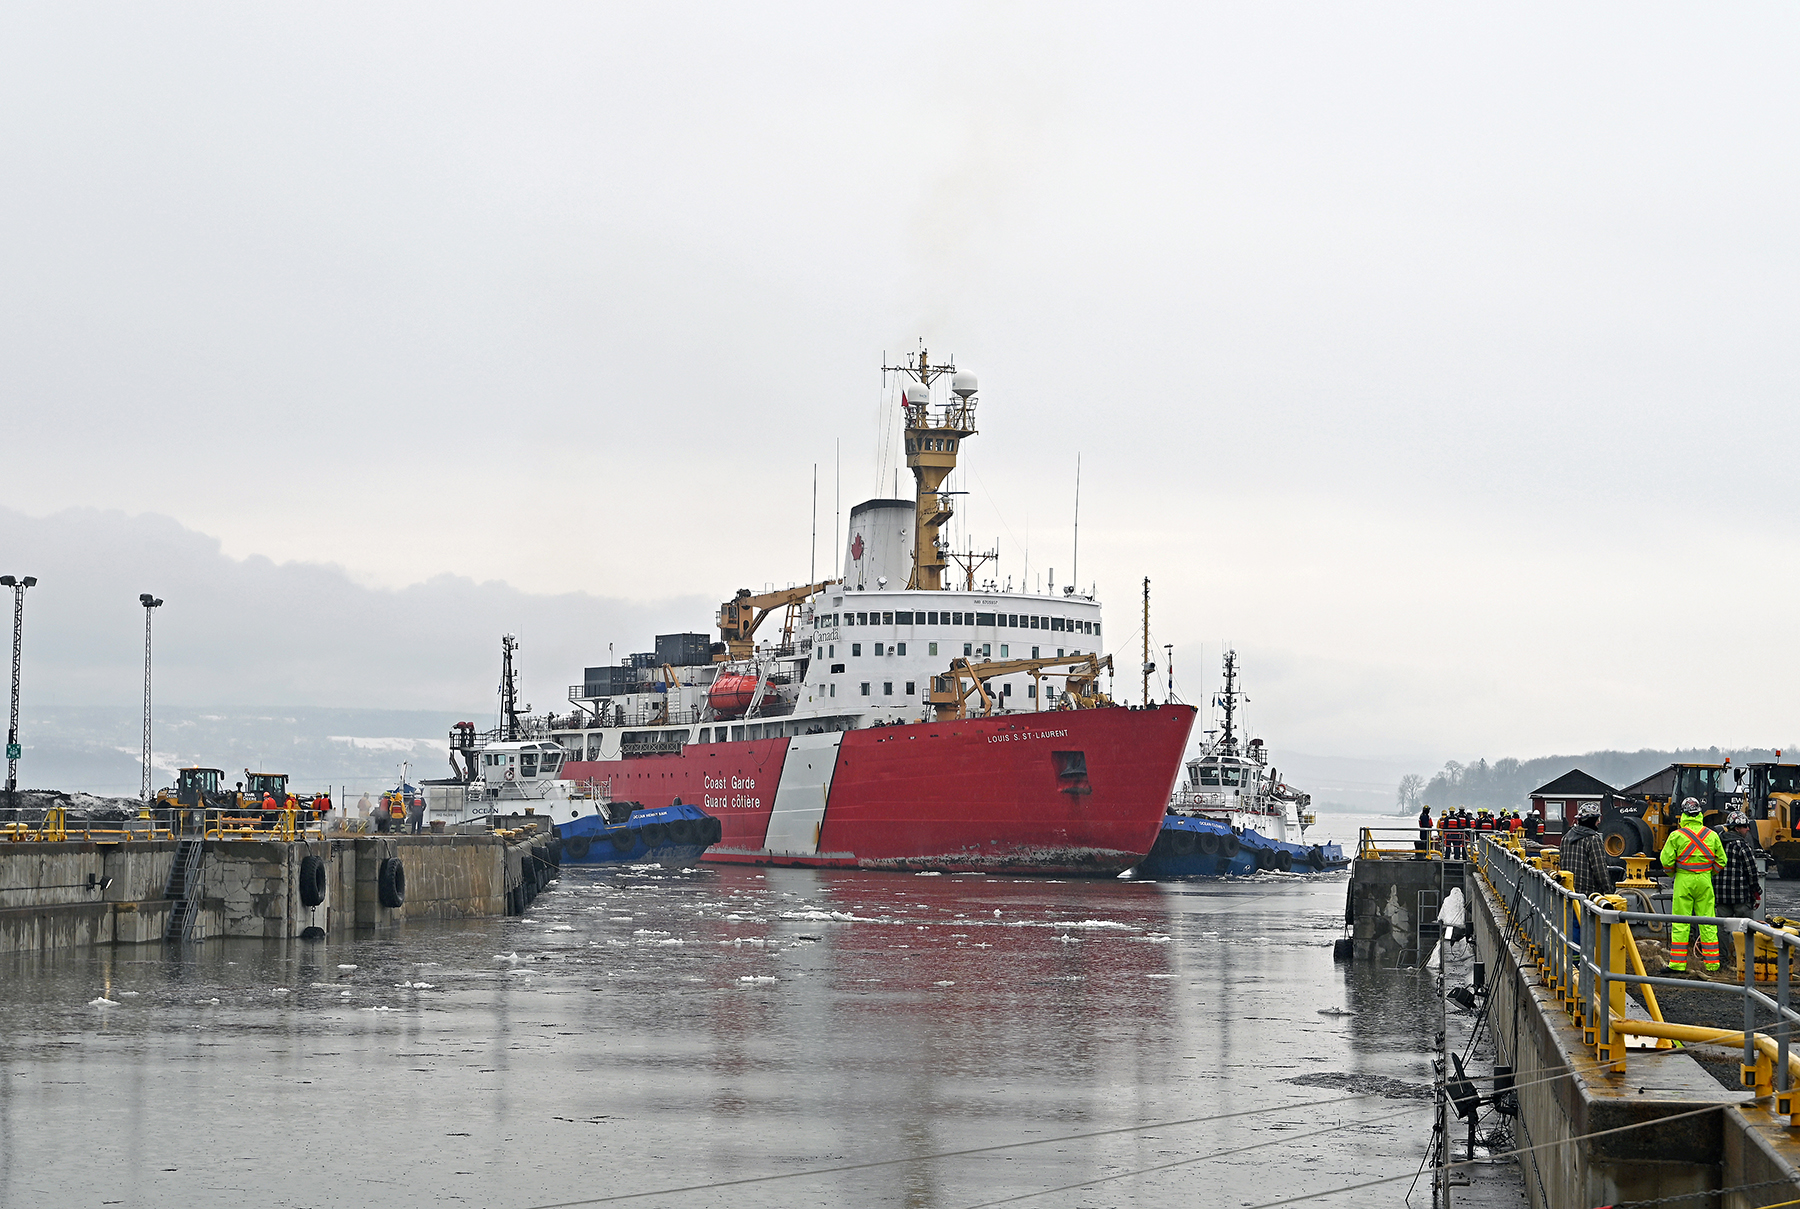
950, 692
739, 617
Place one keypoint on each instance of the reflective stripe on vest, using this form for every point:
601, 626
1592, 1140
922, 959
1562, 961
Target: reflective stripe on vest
1688, 863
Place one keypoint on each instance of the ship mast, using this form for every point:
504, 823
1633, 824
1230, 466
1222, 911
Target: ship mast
933, 437
1148, 666
509, 689
1228, 700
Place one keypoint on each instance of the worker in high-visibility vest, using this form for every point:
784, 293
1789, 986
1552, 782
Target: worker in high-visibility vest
1695, 853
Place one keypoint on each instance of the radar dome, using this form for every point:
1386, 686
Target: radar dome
917, 395
963, 385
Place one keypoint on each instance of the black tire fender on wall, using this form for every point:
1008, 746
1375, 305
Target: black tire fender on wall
312, 881
391, 882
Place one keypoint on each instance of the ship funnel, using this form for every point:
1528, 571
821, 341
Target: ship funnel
918, 395
963, 384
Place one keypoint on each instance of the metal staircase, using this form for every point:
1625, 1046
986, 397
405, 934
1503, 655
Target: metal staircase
184, 888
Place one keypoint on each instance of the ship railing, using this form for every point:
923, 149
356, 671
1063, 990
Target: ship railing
1398, 844
1582, 948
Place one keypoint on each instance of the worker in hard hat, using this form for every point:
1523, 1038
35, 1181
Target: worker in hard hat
1695, 853
1738, 887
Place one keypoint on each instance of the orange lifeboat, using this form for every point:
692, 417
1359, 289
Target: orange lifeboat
731, 695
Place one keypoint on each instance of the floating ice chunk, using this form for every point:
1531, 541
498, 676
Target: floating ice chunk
945, 983
103, 1001
341, 995
563, 928
756, 978
996, 912
346, 967
375, 1009
506, 957
843, 917
621, 919
1162, 976
649, 932
1100, 923
1155, 938
928, 873
126, 994
280, 991
424, 986
1069, 940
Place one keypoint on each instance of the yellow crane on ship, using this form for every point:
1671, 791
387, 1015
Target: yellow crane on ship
742, 614
950, 693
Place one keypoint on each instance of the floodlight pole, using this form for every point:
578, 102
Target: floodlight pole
149, 602
18, 585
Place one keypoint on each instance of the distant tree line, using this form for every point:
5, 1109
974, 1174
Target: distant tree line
1506, 784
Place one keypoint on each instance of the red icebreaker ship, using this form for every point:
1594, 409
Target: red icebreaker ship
897, 721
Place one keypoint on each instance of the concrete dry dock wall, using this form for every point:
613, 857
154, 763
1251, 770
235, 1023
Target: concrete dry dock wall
1393, 907
251, 887
1565, 1097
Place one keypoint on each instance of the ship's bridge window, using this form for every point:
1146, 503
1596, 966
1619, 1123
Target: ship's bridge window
1231, 776
1209, 776
1056, 623
862, 619
528, 763
1037, 623
903, 618
593, 747
931, 619
551, 760
984, 619
887, 619
900, 649
956, 619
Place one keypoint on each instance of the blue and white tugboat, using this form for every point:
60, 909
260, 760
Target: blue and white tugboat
625, 833
1233, 815
517, 768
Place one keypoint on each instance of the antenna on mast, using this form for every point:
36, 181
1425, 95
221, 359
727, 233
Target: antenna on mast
1075, 577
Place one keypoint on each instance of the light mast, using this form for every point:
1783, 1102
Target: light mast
933, 437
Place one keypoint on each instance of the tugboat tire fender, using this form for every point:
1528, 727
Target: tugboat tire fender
684, 831
1315, 859
1284, 861
1229, 845
622, 840
1209, 843
655, 834
1181, 843
578, 847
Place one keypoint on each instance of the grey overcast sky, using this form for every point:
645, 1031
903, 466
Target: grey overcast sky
1441, 358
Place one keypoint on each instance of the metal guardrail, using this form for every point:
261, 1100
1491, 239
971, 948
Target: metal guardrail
1584, 950
53, 825
1383, 844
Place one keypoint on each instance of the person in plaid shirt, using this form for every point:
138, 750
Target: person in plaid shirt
1736, 886
1584, 853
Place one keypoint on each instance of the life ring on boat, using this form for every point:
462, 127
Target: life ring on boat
1284, 861
577, 847
622, 840
1209, 843
1316, 859
312, 881
1229, 845
509, 772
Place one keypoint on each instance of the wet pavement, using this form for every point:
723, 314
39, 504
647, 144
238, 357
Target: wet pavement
679, 1029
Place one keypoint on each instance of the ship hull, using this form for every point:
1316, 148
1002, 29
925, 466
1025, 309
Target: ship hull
1067, 792
1188, 846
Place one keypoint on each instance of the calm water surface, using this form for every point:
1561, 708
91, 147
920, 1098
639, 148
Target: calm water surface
656, 1029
